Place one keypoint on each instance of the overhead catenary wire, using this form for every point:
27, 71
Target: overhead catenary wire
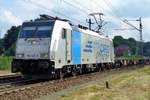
75, 6
75, 1
131, 25
98, 5
80, 8
45, 8
61, 14
113, 10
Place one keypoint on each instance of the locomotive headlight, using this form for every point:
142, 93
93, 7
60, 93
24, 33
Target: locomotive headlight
34, 42
44, 55
20, 55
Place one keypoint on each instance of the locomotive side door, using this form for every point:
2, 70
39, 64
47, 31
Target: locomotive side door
68, 46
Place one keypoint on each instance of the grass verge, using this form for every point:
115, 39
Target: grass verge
128, 85
5, 62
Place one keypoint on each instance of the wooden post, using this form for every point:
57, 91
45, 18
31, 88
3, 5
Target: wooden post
107, 85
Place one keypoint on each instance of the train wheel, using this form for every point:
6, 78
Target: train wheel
102, 67
84, 69
74, 74
74, 71
61, 74
57, 74
108, 66
80, 70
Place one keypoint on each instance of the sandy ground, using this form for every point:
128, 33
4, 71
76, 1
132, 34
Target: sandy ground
5, 72
132, 85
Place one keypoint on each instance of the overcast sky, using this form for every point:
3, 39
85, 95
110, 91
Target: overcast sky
14, 12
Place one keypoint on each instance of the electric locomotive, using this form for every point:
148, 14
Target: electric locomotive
53, 46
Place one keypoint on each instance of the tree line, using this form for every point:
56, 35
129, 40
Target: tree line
7, 43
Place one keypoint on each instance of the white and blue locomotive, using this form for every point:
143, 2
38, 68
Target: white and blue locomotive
56, 47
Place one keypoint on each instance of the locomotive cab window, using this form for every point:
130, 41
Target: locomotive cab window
36, 29
64, 32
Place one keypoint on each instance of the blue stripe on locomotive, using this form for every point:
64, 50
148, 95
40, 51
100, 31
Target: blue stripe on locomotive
76, 47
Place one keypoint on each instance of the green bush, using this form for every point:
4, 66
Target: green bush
5, 62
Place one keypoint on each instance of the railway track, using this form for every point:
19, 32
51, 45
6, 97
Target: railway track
16, 85
8, 83
11, 87
14, 88
10, 78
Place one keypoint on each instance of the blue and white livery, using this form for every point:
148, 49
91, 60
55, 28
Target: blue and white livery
47, 47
